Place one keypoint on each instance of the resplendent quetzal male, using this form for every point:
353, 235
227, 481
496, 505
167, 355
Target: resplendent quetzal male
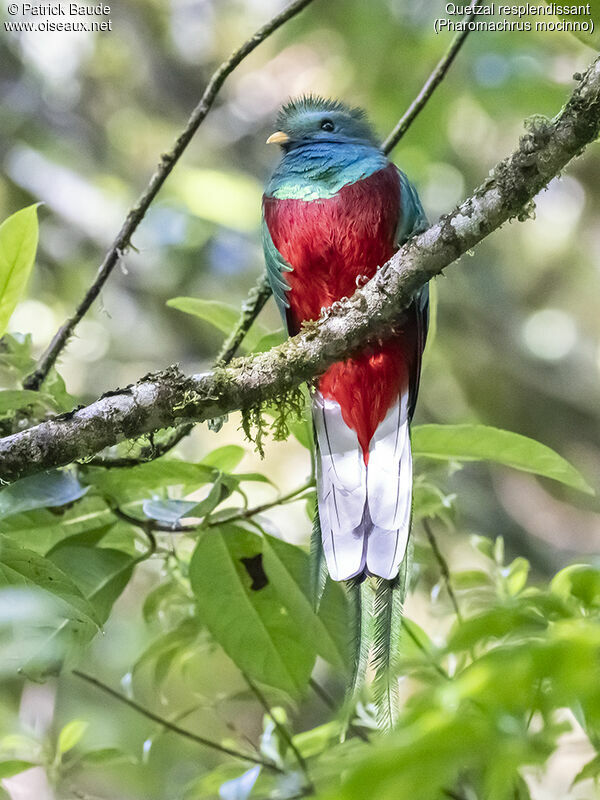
334, 210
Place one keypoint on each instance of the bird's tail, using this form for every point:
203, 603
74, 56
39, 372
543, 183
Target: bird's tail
363, 521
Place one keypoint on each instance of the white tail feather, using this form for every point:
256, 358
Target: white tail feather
364, 512
389, 491
342, 490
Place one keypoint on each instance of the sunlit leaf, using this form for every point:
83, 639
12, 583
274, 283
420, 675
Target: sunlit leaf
14, 767
484, 443
225, 458
580, 582
71, 735
18, 245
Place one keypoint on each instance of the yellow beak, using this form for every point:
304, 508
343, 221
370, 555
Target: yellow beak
279, 137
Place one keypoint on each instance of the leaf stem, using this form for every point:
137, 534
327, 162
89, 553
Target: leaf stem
443, 565
282, 730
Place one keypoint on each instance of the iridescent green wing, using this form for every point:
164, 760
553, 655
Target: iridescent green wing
277, 266
413, 221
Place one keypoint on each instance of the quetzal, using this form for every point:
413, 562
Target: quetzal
334, 210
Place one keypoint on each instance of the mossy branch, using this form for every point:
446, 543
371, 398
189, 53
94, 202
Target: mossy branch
169, 397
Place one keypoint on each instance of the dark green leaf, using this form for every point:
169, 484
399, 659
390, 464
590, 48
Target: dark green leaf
246, 610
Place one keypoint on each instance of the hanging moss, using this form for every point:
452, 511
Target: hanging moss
285, 408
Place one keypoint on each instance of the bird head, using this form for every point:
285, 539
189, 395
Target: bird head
312, 119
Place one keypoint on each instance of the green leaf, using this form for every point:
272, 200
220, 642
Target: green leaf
247, 611
47, 489
484, 443
288, 567
270, 340
71, 735
591, 770
14, 767
101, 573
224, 458
15, 399
138, 482
21, 567
106, 755
169, 646
18, 245
220, 315
580, 582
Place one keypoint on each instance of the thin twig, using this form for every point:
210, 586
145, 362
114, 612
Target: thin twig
246, 513
439, 669
429, 87
443, 565
281, 729
251, 308
328, 700
137, 213
170, 726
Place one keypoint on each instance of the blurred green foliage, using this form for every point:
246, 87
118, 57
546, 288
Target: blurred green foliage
175, 578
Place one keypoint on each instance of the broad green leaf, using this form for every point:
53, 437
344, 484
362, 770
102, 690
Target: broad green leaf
71, 735
220, 315
484, 443
14, 767
18, 245
580, 582
246, 610
21, 567
288, 567
54, 618
224, 458
138, 482
101, 573
42, 528
47, 489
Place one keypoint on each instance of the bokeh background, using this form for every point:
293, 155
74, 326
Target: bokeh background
84, 119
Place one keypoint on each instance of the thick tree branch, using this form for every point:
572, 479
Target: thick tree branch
164, 399
167, 163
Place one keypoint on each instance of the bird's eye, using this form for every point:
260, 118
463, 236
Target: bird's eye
327, 125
